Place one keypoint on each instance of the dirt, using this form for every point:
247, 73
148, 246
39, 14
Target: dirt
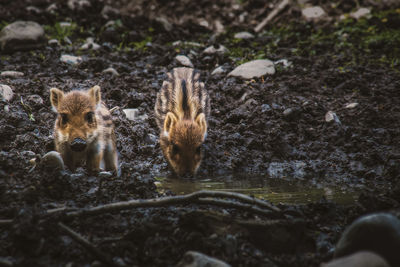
248, 131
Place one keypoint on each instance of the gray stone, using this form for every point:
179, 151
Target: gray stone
219, 49
112, 71
359, 259
184, 60
284, 62
218, 71
252, 69
361, 12
22, 35
313, 13
351, 105
197, 259
53, 42
72, 60
11, 74
65, 24
243, 35
107, 12
52, 160
378, 233
166, 24
78, 4
6, 92
105, 174
265, 108
90, 44
331, 116
34, 100
287, 112
131, 113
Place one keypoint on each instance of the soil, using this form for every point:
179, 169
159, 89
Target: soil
248, 132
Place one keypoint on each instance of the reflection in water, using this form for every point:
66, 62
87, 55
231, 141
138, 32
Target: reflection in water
273, 189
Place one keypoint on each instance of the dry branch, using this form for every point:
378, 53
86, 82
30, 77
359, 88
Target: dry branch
271, 15
233, 205
174, 200
87, 245
5, 222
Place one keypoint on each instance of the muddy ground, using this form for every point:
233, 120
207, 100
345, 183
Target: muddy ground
333, 64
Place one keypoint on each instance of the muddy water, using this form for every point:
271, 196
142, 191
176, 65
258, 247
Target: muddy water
276, 190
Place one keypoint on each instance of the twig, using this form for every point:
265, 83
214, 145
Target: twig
230, 204
271, 15
174, 200
5, 222
86, 244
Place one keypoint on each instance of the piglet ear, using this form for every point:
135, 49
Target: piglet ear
169, 122
56, 96
201, 121
95, 94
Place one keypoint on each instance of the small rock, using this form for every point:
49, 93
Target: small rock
93, 190
312, 13
197, 259
331, 116
78, 4
6, 92
352, 105
220, 49
184, 60
109, 12
360, 259
90, 44
105, 174
287, 112
218, 71
219, 27
131, 113
11, 74
112, 71
165, 23
53, 42
65, 24
52, 8
72, 60
34, 100
361, 12
378, 233
22, 35
284, 62
243, 35
52, 160
255, 68
265, 108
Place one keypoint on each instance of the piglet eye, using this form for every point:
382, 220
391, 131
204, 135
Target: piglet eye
89, 117
198, 149
175, 149
64, 118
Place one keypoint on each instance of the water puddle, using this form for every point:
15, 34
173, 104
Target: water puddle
276, 190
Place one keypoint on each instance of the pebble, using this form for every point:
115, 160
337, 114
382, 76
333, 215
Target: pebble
35, 100
312, 13
53, 42
284, 62
131, 113
217, 71
184, 60
219, 49
78, 4
11, 74
287, 112
65, 24
254, 69
362, 258
22, 35
52, 160
112, 71
361, 12
352, 105
165, 23
197, 259
90, 44
243, 35
105, 174
72, 60
331, 116
6, 92
378, 233
265, 108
